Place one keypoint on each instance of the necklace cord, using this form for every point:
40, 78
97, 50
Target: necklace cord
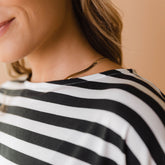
86, 69
82, 71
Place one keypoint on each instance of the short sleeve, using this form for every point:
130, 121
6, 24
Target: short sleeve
145, 141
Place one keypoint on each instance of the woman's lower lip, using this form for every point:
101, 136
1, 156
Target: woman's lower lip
5, 27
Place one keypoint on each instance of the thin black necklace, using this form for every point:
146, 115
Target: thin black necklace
82, 71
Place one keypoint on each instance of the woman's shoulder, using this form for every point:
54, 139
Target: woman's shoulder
132, 91
127, 94
131, 84
127, 83
135, 105
142, 104
130, 96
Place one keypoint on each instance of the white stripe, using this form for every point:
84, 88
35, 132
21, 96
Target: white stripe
142, 88
128, 99
37, 152
41, 87
86, 140
131, 96
121, 96
45, 87
107, 119
70, 89
143, 79
4, 161
139, 148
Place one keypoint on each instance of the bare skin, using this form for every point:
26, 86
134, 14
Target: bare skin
47, 35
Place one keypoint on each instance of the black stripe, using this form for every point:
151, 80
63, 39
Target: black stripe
142, 82
131, 89
122, 110
130, 158
18, 157
141, 127
75, 80
96, 129
61, 146
162, 94
93, 85
52, 96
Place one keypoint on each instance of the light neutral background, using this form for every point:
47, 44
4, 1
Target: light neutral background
143, 39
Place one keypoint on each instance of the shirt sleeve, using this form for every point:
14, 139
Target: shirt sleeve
145, 138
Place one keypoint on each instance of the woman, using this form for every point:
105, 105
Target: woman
78, 105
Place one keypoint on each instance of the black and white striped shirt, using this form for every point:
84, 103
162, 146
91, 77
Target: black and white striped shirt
115, 117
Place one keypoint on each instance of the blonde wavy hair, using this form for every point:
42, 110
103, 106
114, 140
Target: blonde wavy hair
101, 24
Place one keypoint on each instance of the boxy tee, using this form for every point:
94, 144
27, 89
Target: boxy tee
115, 117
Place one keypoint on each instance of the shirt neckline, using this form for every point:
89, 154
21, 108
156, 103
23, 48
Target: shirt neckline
81, 79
